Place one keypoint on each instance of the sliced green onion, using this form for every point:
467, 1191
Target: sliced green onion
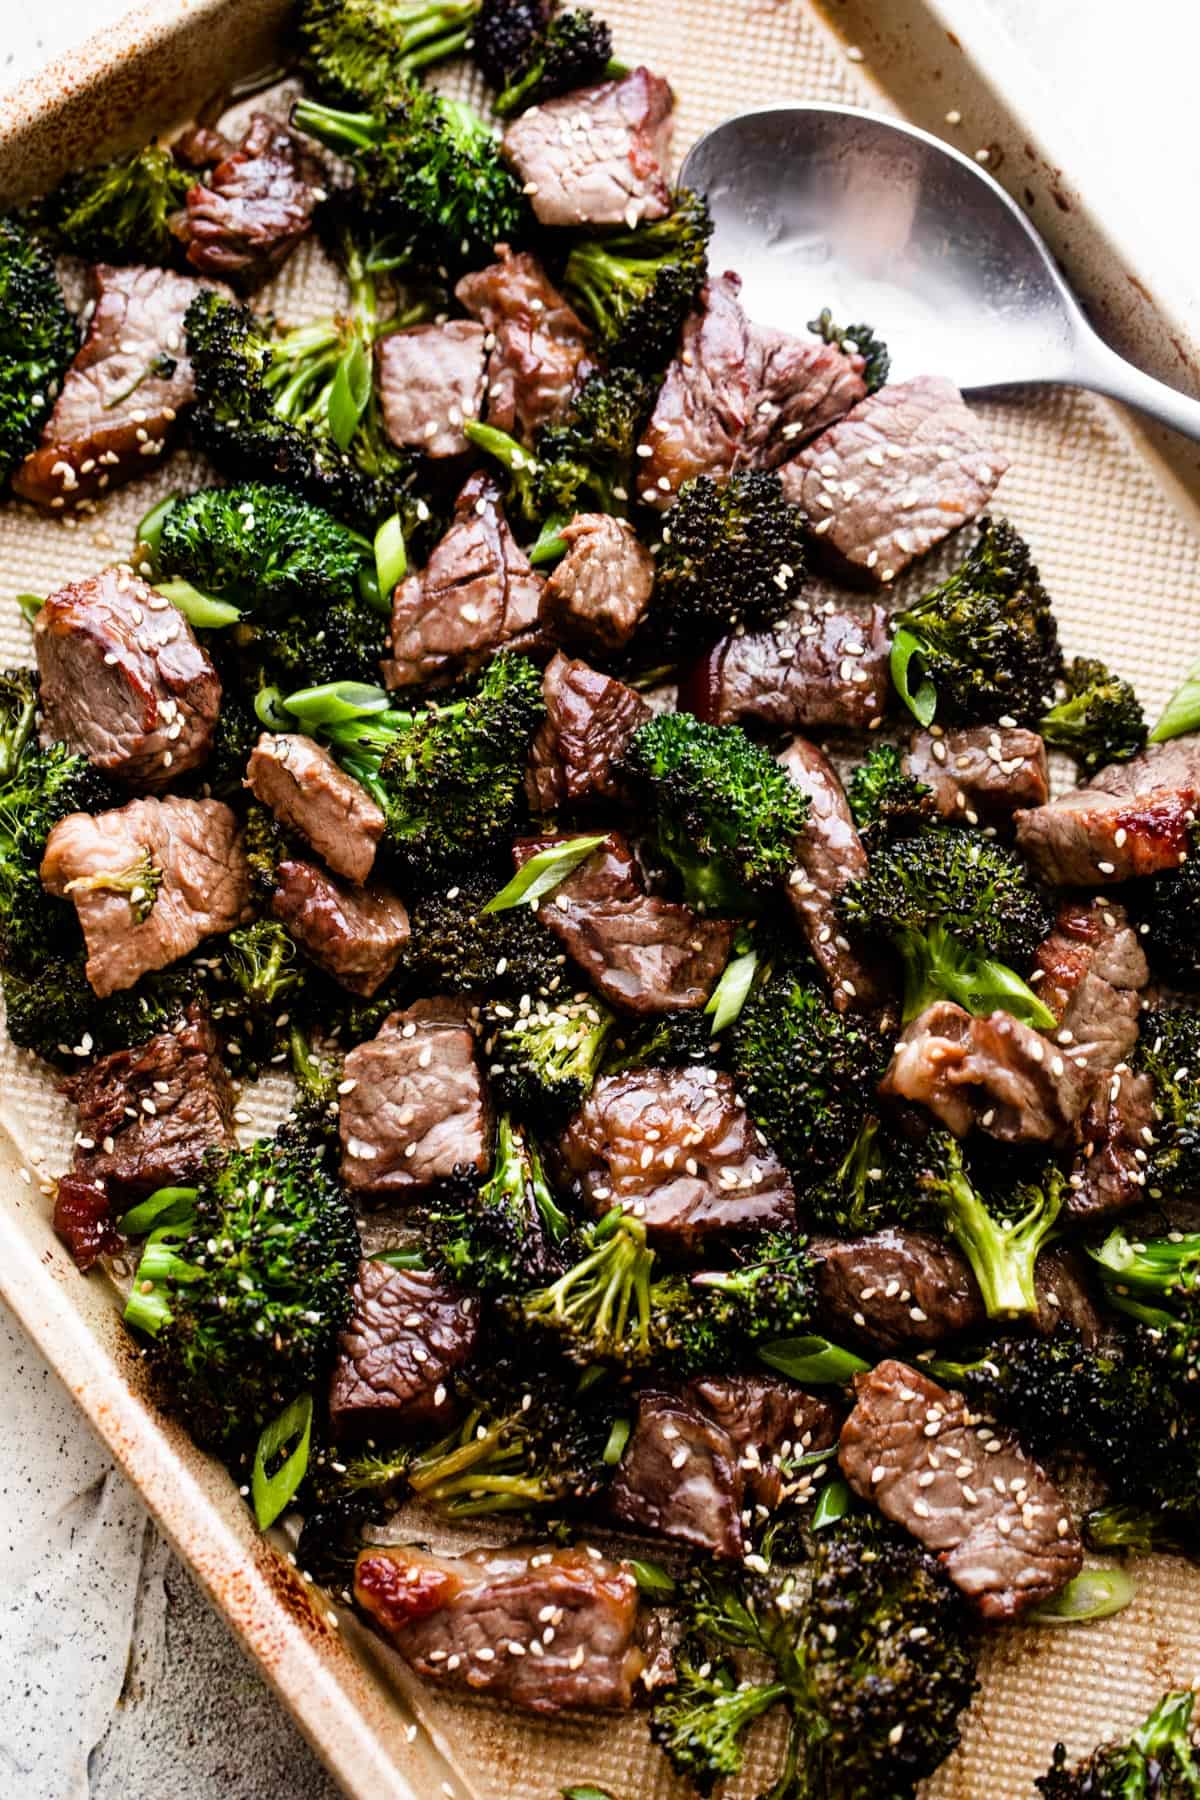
335, 702
349, 393
549, 545
30, 605
618, 1437
652, 1578
588, 1791
400, 1259
1182, 711
271, 1493
922, 704
543, 872
200, 610
166, 1206
1096, 1594
833, 1503
391, 557
811, 1359
269, 710
729, 995
149, 532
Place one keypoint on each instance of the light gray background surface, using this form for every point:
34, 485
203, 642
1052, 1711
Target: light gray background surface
116, 1680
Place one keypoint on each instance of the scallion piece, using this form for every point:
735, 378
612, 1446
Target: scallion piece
811, 1359
1096, 1594
166, 1206
391, 559
271, 1493
334, 702
200, 610
1182, 711
729, 996
833, 1503
543, 872
923, 703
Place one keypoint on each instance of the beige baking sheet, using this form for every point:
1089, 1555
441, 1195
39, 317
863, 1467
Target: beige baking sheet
1118, 539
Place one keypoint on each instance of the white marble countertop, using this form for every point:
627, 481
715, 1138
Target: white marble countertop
116, 1680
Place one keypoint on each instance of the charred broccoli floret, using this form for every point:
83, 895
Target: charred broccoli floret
1160, 1762
1169, 1050
266, 976
37, 341
856, 340
543, 1058
1099, 720
637, 287
726, 814
599, 1308
504, 37
458, 948
669, 1041
709, 1320
959, 911
886, 802
702, 1719
874, 1185
52, 1009
504, 1237
572, 50
733, 555
984, 645
1166, 908
1001, 1250
120, 211
363, 52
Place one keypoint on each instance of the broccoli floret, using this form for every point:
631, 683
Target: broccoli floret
504, 37
668, 1041
361, 52
599, 1308
959, 911
267, 977
263, 549
726, 814
702, 1719
808, 1073
37, 341
985, 642
1057, 1394
1166, 909
346, 642
1160, 1762
1169, 1051
546, 487
458, 948
637, 287
886, 802
1002, 1251
51, 1008
1156, 1282
120, 211
873, 1186
450, 780
242, 1302
543, 1059
707, 1321
573, 50
1099, 720
428, 176
732, 556
505, 1237
854, 339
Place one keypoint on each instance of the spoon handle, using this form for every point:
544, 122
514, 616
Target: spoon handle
1106, 372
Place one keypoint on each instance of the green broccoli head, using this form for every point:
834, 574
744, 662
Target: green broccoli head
635, 288
120, 211
38, 338
1169, 1050
362, 52
265, 977
505, 1236
666, 1041
543, 1059
1160, 1762
572, 50
856, 340
873, 1186
726, 814
769, 1292
985, 642
504, 37
262, 548
886, 802
599, 1308
52, 1010
702, 1720
733, 556
1099, 720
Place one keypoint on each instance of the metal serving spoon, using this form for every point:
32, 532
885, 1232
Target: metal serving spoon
820, 205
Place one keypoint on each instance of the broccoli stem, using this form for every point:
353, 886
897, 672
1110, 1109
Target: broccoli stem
354, 130
471, 1472
1002, 1253
937, 966
603, 1296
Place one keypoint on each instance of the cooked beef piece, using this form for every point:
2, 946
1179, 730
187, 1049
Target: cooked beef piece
598, 156
1001, 1530
1117, 1128
476, 592
739, 396
116, 411
992, 1073
1131, 819
1092, 968
182, 859
256, 205
1065, 1295
83, 1220
983, 775
572, 1616
829, 854
307, 791
598, 594
198, 146
123, 679
642, 954
679, 1476
767, 1421
590, 718
902, 471
149, 1116
896, 1287
356, 934
419, 1108
409, 1330
537, 344
676, 1148
829, 669
430, 382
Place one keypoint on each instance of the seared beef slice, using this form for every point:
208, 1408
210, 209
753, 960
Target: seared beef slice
248, 217
414, 1107
537, 345
123, 679
307, 791
829, 855
982, 775
828, 670
598, 594
1002, 1530
576, 750
1132, 819
409, 1330
599, 156
356, 934
430, 384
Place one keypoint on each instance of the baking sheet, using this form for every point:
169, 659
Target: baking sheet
1117, 533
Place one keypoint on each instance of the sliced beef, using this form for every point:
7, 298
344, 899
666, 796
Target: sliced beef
408, 1332
598, 594
739, 395
576, 751
308, 792
149, 881
829, 854
640, 953
537, 344
116, 411
599, 156
199, 146
545, 1628
1092, 969
768, 1421
356, 934
256, 205
679, 1476
476, 593
982, 775
1117, 1129
149, 1116
896, 1288
1065, 1295
418, 1109
1131, 819
676, 1148
123, 679
83, 1220
430, 382
966, 1491
828, 670
908, 466
992, 1073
